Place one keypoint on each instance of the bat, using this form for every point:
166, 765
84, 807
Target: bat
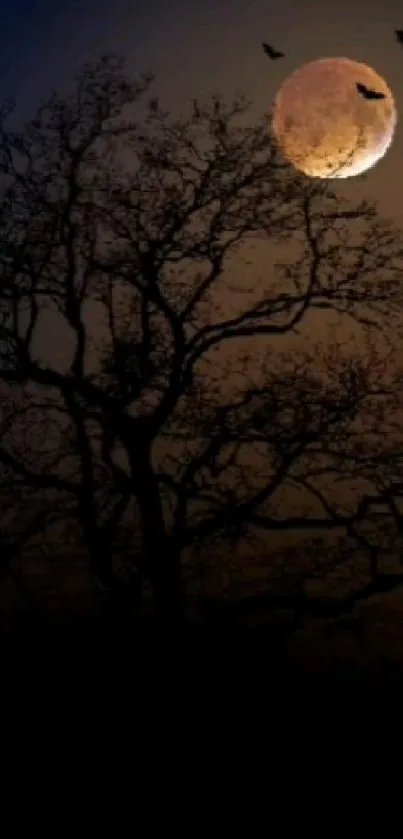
399, 35
367, 93
271, 52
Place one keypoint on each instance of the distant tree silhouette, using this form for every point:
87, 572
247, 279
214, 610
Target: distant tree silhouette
122, 226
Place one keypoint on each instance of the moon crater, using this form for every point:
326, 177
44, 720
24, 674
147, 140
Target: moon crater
325, 127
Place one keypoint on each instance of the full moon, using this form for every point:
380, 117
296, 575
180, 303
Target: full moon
325, 127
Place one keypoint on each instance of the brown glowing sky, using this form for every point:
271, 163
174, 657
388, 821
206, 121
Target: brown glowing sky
197, 48
194, 49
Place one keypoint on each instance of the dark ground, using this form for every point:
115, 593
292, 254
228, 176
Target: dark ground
118, 653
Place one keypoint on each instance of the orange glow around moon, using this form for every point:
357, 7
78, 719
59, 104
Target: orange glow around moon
322, 124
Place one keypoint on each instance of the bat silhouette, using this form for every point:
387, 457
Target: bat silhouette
399, 35
367, 93
271, 52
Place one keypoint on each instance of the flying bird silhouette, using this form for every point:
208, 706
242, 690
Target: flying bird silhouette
399, 35
367, 93
272, 53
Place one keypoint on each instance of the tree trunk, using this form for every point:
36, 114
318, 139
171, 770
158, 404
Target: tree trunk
121, 597
100, 554
161, 555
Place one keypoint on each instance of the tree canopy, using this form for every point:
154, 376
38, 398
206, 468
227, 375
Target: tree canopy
162, 279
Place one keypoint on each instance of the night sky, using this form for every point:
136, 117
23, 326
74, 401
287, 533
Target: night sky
195, 49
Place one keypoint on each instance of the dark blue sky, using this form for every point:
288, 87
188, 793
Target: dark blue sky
195, 48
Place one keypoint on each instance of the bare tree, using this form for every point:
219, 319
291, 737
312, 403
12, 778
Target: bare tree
155, 245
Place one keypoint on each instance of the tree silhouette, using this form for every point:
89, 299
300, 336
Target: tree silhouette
148, 248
